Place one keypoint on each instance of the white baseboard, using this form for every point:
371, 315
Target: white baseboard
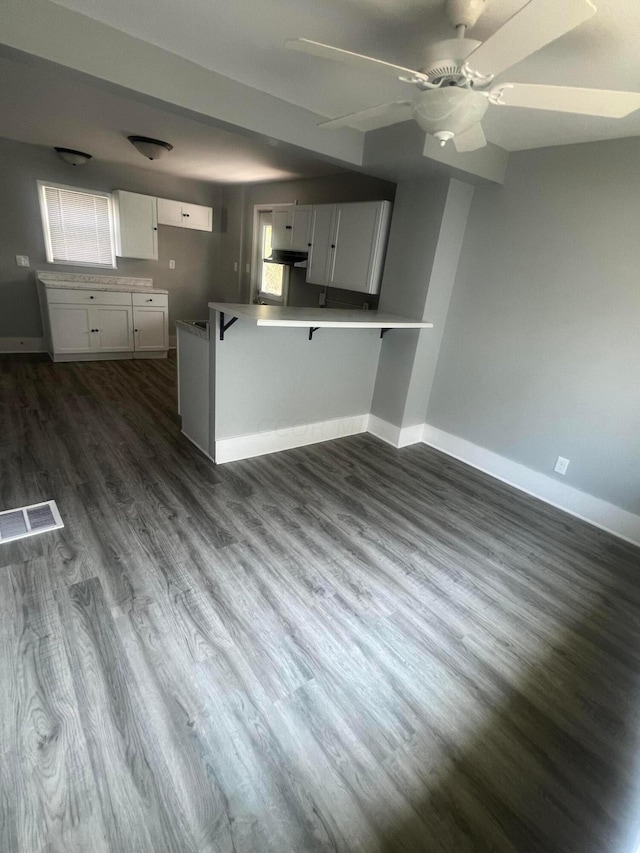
22, 345
394, 435
195, 444
260, 443
621, 523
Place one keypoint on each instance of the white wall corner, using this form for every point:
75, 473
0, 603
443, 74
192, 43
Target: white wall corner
261, 443
606, 516
22, 345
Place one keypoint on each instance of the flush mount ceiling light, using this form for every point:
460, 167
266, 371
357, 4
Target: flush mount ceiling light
71, 156
152, 149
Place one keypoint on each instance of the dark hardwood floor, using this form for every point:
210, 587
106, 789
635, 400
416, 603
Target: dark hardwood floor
338, 648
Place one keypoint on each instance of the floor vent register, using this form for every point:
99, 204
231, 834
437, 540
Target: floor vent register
29, 520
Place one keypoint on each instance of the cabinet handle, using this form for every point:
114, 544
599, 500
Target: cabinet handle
149, 300
288, 227
185, 214
309, 245
135, 330
333, 245
92, 297
155, 229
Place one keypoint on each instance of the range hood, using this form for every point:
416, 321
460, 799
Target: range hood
287, 258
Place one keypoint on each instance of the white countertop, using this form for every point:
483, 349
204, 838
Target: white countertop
82, 281
325, 318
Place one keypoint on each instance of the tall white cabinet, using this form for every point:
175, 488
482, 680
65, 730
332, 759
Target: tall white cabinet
136, 224
348, 244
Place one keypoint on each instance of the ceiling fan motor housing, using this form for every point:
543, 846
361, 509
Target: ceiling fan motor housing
443, 61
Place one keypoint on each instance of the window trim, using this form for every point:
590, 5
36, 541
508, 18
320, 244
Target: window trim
47, 232
256, 261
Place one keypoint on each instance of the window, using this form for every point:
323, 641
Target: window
78, 225
270, 278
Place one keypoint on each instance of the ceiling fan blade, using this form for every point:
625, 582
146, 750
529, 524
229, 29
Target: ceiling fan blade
380, 116
470, 140
566, 99
534, 26
356, 59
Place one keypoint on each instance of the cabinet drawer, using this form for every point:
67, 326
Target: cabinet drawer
61, 295
151, 300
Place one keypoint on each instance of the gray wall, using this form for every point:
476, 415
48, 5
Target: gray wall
413, 240
194, 282
541, 353
239, 202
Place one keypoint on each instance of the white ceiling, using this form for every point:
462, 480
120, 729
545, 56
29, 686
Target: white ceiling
49, 106
244, 39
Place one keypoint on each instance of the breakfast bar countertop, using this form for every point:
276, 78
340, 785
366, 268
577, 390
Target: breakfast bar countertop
333, 318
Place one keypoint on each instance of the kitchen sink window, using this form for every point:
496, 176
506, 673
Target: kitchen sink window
78, 225
270, 279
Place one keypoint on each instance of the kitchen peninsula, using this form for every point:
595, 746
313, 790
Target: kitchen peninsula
283, 377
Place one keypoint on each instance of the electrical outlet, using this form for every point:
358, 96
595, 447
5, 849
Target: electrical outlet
561, 465
322, 300
172, 265
22, 261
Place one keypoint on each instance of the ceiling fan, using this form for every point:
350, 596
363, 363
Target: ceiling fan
455, 84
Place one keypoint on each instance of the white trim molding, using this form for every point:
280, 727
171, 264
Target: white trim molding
394, 435
621, 523
260, 443
22, 345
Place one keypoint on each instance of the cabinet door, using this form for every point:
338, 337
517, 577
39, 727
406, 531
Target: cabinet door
71, 327
169, 212
197, 216
113, 326
356, 237
151, 328
301, 227
281, 217
136, 225
320, 251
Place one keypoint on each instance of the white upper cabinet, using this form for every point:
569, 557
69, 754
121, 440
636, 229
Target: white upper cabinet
136, 224
320, 254
169, 212
348, 243
291, 227
183, 215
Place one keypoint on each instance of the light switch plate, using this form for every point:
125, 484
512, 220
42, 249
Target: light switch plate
172, 265
22, 261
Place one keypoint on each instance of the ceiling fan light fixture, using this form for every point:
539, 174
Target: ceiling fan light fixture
450, 110
150, 148
71, 156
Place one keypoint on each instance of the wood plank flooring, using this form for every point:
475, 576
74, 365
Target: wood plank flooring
338, 648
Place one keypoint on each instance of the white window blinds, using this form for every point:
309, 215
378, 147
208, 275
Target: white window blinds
78, 226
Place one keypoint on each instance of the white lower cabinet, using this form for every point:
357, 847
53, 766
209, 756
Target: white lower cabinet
71, 327
150, 329
113, 328
91, 324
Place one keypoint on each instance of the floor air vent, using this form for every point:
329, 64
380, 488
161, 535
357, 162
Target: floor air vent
29, 520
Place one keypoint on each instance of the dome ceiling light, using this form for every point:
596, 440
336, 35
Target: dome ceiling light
152, 149
71, 156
